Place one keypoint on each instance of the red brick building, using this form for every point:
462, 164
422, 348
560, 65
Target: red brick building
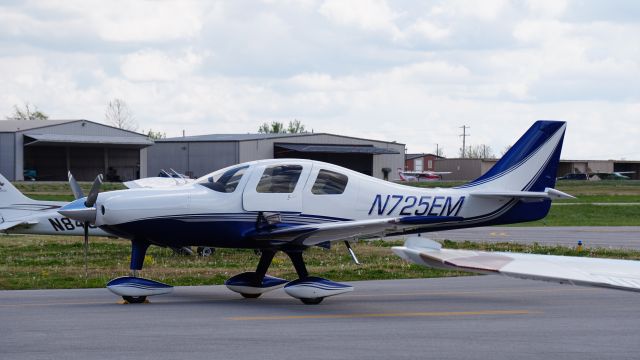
420, 162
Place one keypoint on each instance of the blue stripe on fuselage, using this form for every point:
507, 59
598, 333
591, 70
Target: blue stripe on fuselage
214, 229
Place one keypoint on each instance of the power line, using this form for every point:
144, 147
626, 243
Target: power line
464, 138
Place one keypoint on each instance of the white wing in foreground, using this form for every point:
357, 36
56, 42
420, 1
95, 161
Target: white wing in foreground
609, 273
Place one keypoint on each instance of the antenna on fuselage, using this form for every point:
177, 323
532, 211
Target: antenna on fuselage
163, 171
179, 175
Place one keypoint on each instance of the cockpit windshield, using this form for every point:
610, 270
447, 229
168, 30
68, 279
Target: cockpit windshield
225, 180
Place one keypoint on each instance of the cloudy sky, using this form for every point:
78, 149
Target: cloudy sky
406, 71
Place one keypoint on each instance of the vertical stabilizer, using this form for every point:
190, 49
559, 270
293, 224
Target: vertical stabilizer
10, 195
531, 164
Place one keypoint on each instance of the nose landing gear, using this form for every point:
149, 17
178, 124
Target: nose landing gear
134, 289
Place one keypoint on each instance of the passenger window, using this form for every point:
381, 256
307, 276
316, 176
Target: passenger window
329, 183
279, 179
224, 181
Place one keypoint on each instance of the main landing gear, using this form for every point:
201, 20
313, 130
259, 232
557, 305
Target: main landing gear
134, 289
310, 290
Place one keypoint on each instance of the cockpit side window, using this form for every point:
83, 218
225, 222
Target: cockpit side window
226, 181
329, 183
279, 179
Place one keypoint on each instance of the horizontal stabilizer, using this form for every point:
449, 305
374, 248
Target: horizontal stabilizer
6, 225
548, 193
609, 273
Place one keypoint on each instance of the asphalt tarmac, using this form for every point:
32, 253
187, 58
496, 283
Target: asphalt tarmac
625, 237
477, 317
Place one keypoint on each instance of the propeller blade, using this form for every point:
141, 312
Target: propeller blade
93, 193
86, 248
75, 187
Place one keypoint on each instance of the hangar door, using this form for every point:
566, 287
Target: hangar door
50, 156
50, 163
355, 157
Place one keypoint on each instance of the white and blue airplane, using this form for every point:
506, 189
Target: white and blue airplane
290, 205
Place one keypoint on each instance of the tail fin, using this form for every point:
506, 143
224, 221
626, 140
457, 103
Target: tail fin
401, 174
531, 164
10, 195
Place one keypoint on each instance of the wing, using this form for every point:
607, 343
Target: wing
156, 182
314, 234
609, 273
309, 235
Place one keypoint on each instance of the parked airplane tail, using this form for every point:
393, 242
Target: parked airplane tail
10, 195
526, 175
530, 164
17, 210
401, 175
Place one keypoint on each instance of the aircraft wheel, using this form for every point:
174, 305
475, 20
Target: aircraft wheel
206, 251
134, 299
312, 301
250, 296
186, 251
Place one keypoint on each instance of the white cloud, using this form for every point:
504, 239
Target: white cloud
429, 30
228, 66
152, 65
540, 30
371, 15
148, 21
485, 10
134, 21
429, 71
547, 8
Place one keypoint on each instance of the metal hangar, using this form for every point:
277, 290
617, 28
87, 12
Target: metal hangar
47, 149
199, 155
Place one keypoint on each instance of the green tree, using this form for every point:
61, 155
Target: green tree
277, 127
481, 151
27, 112
155, 135
295, 127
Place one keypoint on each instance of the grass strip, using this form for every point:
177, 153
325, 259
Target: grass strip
49, 262
589, 215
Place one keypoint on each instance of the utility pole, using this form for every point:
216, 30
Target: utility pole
464, 138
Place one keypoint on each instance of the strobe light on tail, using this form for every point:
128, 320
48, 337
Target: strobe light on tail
290, 205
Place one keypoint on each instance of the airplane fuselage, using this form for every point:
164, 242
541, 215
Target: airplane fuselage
307, 192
